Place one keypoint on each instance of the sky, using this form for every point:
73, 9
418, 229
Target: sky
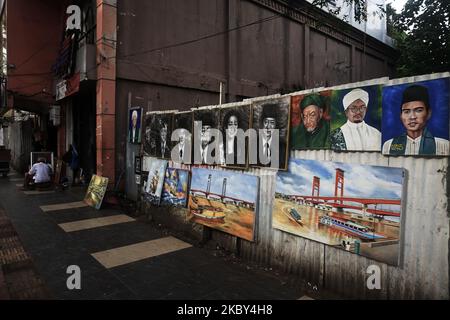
397, 4
359, 181
240, 186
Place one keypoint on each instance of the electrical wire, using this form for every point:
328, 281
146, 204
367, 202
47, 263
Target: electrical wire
183, 43
29, 74
276, 16
33, 54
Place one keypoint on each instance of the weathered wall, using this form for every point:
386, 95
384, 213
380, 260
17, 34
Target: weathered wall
34, 35
185, 45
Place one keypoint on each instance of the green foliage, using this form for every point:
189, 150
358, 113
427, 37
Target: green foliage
359, 8
422, 35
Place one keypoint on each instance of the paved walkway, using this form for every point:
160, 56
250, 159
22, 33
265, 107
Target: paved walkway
120, 257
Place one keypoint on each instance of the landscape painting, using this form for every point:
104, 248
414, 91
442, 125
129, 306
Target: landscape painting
175, 188
224, 200
349, 206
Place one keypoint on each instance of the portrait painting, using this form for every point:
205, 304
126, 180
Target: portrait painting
96, 191
353, 207
310, 124
234, 122
182, 144
175, 188
207, 147
155, 181
134, 125
416, 118
158, 127
224, 200
356, 119
271, 122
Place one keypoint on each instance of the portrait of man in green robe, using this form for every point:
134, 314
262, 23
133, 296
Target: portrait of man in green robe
313, 131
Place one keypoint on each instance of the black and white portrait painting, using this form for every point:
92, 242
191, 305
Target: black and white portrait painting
271, 122
182, 140
207, 145
158, 127
234, 123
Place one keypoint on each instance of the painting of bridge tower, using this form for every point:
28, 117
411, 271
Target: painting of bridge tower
224, 200
348, 206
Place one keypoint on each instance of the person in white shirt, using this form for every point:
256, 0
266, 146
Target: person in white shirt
232, 153
182, 145
164, 151
40, 174
135, 132
417, 140
356, 134
203, 151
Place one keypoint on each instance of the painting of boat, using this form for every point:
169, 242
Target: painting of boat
210, 215
294, 216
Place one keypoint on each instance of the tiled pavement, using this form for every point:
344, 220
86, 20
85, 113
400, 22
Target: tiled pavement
172, 270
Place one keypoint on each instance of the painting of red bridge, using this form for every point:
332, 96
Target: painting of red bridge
224, 200
353, 207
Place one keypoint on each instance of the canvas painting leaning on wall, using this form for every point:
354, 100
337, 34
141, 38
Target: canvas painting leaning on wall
224, 200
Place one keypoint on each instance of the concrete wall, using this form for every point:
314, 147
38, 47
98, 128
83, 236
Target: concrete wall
184, 45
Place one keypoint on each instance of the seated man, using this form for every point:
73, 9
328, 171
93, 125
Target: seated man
40, 172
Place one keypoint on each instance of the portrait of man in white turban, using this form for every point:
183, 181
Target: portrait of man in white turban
355, 134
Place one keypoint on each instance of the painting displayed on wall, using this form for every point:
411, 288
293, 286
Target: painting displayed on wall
269, 116
155, 180
356, 119
175, 188
235, 121
183, 122
310, 122
416, 118
224, 200
205, 151
96, 191
134, 125
353, 207
158, 127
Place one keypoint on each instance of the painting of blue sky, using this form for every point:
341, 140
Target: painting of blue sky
239, 186
360, 181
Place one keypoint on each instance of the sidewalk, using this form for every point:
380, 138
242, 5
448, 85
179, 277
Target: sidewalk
120, 257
